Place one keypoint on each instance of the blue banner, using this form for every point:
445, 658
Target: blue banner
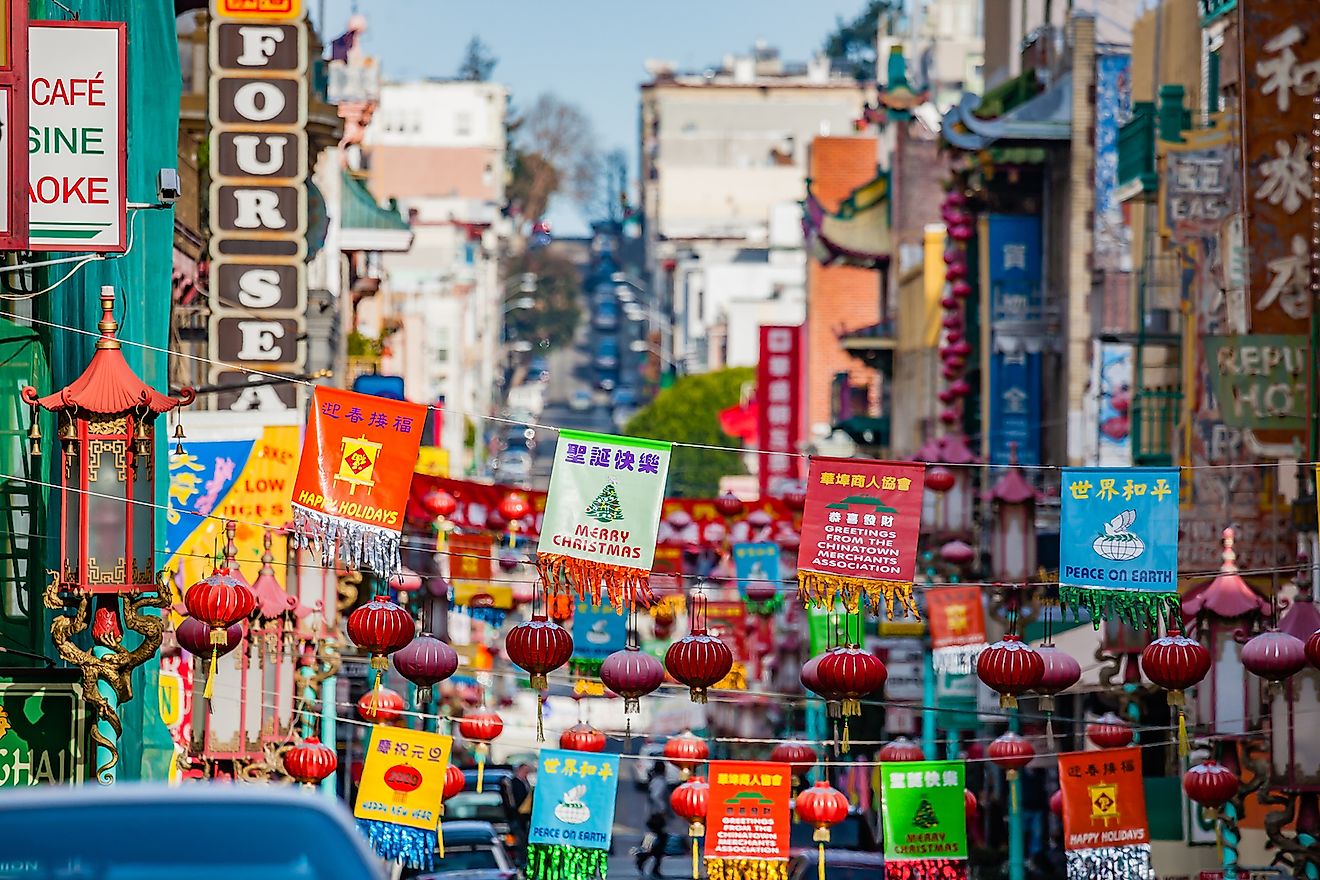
598, 631
1118, 540
1014, 271
755, 561
574, 800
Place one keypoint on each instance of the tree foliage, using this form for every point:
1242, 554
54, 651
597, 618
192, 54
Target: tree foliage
852, 43
688, 412
553, 150
609, 194
478, 61
557, 310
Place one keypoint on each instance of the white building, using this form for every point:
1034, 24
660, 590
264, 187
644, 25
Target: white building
439, 149
723, 165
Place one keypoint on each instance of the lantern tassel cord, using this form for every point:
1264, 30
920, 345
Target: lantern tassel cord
823, 590
210, 672
481, 766
1182, 734
820, 865
696, 864
540, 726
1012, 790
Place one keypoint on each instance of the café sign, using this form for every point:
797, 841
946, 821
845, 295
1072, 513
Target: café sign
43, 729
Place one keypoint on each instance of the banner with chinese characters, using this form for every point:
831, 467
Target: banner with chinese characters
779, 409
957, 627
572, 815
756, 566
1104, 813
598, 631
403, 781
1013, 272
747, 820
352, 484
925, 820
602, 515
1118, 542
859, 533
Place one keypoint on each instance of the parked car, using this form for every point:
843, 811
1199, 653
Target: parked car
607, 353
513, 464
310, 835
607, 315
580, 400
474, 850
855, 833
626, 395
840, 864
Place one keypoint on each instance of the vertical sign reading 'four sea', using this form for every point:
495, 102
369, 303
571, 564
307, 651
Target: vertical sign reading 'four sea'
258, 119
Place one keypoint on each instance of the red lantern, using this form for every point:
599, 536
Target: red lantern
729, 505
425, 661
632, 674
381, 706
900, 751
1109, 731
1062, 671
956, 271
1313, 649
850, 673
699, 661
961, 232
960, 289
690, 801
1056, 803
1010, 667
495, 521
582, 737
1211, 784
380, 628
514, 506
455, 782
1274, 655
809, 675
219, 601
950, 416
796, 754
481, 727
686, 752
796, 498
1011, 753
970, 805
195, 637
821, 806
539, 646
310, 762
939, 479
1175, 663
760, 591
439, 503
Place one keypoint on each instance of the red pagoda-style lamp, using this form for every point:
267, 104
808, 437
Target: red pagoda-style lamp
1013, 542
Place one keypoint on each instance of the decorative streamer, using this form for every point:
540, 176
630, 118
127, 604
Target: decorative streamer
602, 516
403, 782
1111, 863
957, 628
572, 815
859, 534
927, 869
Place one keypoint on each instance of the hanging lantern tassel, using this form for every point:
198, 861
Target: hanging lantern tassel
1012, 776
822, 837
1046, 705
482, 749
219, 636
1176, 700
696, 831
540, 729
439, 831
513, 531
379, 663
845, 745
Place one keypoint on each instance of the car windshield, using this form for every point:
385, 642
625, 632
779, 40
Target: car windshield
845, 835
308, 845
459, 858
484, 807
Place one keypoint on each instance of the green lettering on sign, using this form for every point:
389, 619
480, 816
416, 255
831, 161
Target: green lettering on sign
43, 730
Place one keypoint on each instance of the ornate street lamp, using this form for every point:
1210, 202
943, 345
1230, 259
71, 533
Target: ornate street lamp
106, 422
948, 513
1222, 613
1013, 542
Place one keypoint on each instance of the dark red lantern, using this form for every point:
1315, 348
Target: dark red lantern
381, 706
426, 661
956, 271
686, 752
1011, 753
1010, 667
1056, 803
310, 761
809, 675
796, 754
195, 637
582, 737
729, 505
795, 499
822, 806
1109, 731
899, 751
632, 674
1274, 655
1211, 784
1062, 671
439, 503
949, 416
1313, 649
939, 479
970, 804
850, 673
1175, 663
698, 660
539, 646
455, 781
961, 232
380, 628
960, 289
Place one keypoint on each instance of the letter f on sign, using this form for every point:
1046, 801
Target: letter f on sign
259, 43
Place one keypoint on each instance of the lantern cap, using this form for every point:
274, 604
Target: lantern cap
1013, 487
272, 600
108, 385
1226, 596
947, 449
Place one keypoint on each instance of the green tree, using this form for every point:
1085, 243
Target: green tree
557, 311
553, 149
606, 508
688, 412
478, 61
925, 816
852, 43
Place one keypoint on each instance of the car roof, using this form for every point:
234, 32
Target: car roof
462, 831
850, 857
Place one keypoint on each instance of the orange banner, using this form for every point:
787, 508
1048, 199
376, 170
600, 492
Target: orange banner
353, 477
748, 813
1104, 803
955, 617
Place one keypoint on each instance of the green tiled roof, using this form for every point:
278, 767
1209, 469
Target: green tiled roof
359, 209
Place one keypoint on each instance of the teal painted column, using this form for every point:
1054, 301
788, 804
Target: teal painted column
1016, 860
103, 755
928, 711
1229, 837
329, 731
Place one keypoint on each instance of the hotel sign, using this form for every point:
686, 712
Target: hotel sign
258, 117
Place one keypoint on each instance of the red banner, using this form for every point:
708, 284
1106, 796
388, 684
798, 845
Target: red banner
955, 617
1104, 803
747, 817
353, 477
779, 408
859, 532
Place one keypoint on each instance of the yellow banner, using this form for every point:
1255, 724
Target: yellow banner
403, 777
433, 461
480, 594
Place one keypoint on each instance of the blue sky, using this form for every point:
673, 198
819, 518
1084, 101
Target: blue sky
589, 52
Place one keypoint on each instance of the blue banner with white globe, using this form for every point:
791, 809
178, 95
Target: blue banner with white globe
572, 815
1118, 542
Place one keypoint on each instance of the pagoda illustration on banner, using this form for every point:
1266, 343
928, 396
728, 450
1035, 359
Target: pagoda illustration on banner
606, 507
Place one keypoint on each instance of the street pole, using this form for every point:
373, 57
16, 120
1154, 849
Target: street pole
329, 735
1016, 861
103, 755
928, 712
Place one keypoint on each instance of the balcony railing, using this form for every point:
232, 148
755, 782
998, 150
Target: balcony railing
1211, 10
1154, 422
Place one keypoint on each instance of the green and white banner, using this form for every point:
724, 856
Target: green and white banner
925, 816
602, 515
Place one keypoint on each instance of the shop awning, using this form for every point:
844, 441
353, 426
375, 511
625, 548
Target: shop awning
1046, 117
365, 225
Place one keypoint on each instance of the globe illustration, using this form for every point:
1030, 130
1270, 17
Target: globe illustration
1119, 548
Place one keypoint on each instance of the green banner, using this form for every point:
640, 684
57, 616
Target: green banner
43, 729
924, 811
827, 629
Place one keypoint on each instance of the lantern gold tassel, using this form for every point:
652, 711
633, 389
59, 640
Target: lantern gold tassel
820, 865
440, 836
379, 664
1013, 789
540, 728
845, 746
1182, 734
696, 869
481, 765
210, 672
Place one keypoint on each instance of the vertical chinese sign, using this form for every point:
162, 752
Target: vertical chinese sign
925, 820
258, 199
859, 534
572, 815
77, 136
779, 408
747, 820
14, 100
1013, 272
1280, 47
398, 799
1105, 834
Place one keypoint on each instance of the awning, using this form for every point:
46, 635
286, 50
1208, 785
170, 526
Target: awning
857, 234
366, 226
1046, 117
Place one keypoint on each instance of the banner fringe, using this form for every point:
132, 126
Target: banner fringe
411, 847
746, 869
358, 545
957, 659
555, 861
623, 586
1139, 608
823, 590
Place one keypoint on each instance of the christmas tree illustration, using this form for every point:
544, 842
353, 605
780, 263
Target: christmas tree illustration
925, 816
606, 508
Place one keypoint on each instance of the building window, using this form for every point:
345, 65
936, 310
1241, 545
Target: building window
463, 124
